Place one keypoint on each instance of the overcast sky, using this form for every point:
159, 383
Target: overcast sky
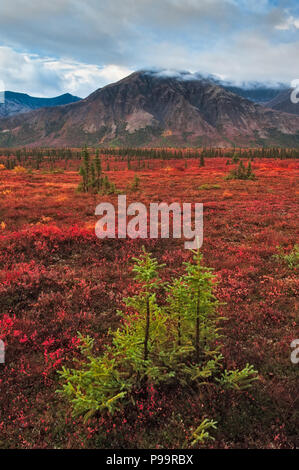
76, 46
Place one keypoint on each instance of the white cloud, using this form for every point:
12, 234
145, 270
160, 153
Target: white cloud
78, 46
82, 79
253, 58
288, 23
39, 76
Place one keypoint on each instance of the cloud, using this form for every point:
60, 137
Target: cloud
78, 46
288, 23
253, 58
38, 76
22, 71
82, 79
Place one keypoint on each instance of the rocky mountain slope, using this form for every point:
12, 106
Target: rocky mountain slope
259, 93
146, 108
283, 102
15, 103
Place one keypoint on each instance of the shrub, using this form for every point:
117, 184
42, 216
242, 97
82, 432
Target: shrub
92, 179
241, 173
201, 434
292, 259
177, 343
209, 186
107, 187
135, 185
238, 379
19, 169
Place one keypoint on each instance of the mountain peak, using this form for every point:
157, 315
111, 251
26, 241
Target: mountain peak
16, 103
154, 107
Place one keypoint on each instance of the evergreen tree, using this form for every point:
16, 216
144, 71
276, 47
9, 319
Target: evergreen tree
98, 170
202, 160
156, 343
200, 308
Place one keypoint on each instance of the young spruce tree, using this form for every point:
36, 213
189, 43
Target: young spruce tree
175, 344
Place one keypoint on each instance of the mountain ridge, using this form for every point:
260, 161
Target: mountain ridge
15, 102
283, 102
145, 108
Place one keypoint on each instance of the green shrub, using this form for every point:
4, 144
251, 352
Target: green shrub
292, 259
209, 186
92, 179
107, 187
135, 185
238, 379
201, 434
177, 343
241, 173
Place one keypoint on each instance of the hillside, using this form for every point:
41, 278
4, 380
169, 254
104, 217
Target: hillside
146, 108
283, 102
16, 103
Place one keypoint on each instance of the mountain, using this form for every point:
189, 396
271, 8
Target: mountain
15, 103
283, 102
278, 98
259, 94
147, 108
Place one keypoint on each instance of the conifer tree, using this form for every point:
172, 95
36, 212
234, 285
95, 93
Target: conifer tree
156, 344
202, 159
201, 304
93, 180
135, 184
146, 273
98, 169
177, 301
86, 164
83, 186
242, 173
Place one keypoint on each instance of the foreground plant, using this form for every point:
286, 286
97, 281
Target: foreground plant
92, 179
292, 258
201, 433
177, 343
241, 172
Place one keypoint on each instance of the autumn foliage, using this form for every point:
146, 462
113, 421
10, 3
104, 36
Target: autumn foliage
58, 279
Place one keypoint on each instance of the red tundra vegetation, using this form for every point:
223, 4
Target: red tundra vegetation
58, 279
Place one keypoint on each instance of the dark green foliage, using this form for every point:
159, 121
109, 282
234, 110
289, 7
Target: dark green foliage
292, 258
98, 171
235, 158
177, 343
202, 158
241, 173
135, 184
91, 174
107, 187
209, 187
